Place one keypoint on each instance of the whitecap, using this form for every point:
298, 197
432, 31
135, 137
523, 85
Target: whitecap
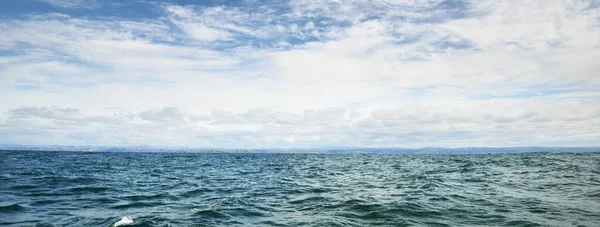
124, 221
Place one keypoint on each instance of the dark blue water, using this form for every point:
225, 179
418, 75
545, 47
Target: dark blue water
168, 189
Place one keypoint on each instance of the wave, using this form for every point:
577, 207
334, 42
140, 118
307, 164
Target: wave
137, 205
124, 221
300, 190
12, 208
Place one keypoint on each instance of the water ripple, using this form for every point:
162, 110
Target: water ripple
166, 189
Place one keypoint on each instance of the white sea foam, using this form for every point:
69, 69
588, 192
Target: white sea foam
124, 221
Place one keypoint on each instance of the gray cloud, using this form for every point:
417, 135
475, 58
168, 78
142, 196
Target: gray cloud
164, 114
46, 113
505, 124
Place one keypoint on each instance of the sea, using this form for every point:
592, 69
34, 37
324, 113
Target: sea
44, 188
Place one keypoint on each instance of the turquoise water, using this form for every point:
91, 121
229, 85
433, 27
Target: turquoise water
183, 189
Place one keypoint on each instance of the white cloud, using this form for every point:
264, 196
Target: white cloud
467, 123
73, 3
307, 73
212, 24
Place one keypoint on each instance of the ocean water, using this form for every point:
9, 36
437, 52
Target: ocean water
184, 189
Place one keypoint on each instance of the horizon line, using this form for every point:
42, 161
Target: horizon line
3, 146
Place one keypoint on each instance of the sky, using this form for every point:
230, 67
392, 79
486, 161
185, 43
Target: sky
300, 73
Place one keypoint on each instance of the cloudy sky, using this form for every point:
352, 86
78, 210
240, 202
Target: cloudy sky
305, 73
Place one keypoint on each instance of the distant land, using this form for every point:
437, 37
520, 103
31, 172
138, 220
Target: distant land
333, 150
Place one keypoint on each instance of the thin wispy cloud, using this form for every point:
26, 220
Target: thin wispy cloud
72, 4
301, 73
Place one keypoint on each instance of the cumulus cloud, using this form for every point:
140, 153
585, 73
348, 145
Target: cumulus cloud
304, 74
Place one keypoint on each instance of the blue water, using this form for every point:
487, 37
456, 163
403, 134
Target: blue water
182, 189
